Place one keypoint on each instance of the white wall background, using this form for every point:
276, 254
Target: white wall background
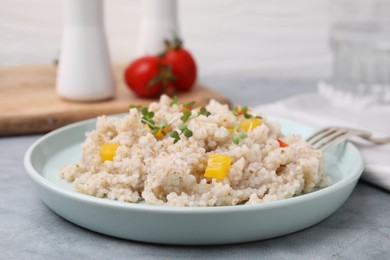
265, 38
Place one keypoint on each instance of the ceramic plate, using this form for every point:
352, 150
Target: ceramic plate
185, 225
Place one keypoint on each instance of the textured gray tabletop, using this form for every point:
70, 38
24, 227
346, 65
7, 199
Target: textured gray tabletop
360, 229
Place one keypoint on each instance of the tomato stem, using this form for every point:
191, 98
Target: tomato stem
164, 76
176, 44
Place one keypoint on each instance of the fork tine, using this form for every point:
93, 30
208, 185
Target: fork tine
316, 134
327, 138
322, 135
335, 139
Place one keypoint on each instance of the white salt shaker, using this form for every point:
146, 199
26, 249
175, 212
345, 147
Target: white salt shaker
159, 23
85, 71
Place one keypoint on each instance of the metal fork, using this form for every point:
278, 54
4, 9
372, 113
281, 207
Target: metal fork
329, 137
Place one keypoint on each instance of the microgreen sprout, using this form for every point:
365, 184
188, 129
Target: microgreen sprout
187, 132
244, 111
147, 118
186, 115
183, 130
135, 106
203, 111
238, 111
235, 111
175, 135
237, 137
164, 126
175, 101
189, 104
182, 127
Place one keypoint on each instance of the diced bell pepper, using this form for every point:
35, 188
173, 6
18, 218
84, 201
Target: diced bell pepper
249, 124
281, 143
108, 151
218, 166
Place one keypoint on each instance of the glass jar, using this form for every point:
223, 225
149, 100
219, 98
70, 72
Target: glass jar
360, 41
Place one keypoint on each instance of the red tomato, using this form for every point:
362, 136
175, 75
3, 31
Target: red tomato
183, 68
140, 73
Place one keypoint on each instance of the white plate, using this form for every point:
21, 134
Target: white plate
184, 225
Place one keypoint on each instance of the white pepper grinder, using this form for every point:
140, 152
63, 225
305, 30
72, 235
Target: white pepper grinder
158, 23
85, 70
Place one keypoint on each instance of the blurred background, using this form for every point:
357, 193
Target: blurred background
268, 39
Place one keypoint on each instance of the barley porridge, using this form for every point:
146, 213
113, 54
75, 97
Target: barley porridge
176, 154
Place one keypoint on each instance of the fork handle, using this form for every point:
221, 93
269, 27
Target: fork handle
380, 140
368, 136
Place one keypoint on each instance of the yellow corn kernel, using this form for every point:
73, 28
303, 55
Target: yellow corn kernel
249, 124
108, 151
218, 166
159, 134
162, 132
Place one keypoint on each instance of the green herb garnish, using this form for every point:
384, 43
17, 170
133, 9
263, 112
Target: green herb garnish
186, 115
135, 106
187, 132
244, 111
203, 111
239, 136
147, 118
238, 111
175, 135
163, 125
235, 111
175, 101
189, 104
183, 130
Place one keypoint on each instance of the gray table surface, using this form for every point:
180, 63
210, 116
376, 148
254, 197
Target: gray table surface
360, 229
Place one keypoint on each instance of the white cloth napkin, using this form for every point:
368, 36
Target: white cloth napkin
327, 107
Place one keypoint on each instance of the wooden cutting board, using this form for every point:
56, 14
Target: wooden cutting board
29, 103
